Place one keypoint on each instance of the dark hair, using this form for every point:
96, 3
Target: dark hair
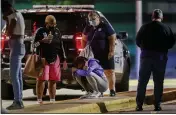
79, 60
93, 13
157, 14
5, 6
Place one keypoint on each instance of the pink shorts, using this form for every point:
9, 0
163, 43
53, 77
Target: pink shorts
52, 71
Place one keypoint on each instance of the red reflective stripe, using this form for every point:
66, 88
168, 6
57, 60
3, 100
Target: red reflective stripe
3, 37
78, 38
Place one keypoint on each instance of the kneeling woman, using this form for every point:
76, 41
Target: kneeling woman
96, 82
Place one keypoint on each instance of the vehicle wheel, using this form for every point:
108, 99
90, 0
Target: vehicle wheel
124, 84
44, 92
6, 90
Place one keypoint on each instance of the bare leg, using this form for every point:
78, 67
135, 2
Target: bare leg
52, 89
40, 88
110, 74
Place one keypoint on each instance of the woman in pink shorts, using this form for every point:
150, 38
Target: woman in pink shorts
49, 46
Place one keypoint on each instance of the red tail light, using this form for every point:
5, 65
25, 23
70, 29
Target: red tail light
3, 37
34, 27
78, 38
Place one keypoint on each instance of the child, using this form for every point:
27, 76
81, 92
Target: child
94, 74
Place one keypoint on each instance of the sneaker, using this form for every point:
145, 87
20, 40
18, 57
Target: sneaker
112, 93
39, 101
16, 105
95, 95
52, 101
86, 95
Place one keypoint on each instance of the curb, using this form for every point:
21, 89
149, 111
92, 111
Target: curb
100, 107
167, 96
121, 104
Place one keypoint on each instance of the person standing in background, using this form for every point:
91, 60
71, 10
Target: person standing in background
154, 40
103, 45
15, 29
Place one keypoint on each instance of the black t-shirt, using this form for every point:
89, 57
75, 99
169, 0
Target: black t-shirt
155, 36
52, 50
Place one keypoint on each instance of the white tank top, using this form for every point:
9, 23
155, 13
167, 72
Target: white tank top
20, 25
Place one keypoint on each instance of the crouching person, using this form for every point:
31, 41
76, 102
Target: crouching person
93, 73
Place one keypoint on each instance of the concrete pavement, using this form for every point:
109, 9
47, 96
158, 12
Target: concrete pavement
101, 105
65, 94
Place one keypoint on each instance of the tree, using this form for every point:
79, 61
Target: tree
63, 2
48, 2
75, 2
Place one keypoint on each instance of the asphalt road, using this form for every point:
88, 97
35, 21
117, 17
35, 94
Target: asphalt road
167, 108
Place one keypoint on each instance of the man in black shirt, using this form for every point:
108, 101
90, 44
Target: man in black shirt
154, 40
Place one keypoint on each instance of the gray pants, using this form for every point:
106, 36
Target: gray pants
93, 82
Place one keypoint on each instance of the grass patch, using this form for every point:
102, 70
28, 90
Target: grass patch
170, 82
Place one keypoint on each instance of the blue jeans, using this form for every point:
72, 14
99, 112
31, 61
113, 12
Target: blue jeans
17, 52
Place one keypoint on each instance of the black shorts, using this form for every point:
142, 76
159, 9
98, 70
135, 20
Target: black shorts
106, 63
